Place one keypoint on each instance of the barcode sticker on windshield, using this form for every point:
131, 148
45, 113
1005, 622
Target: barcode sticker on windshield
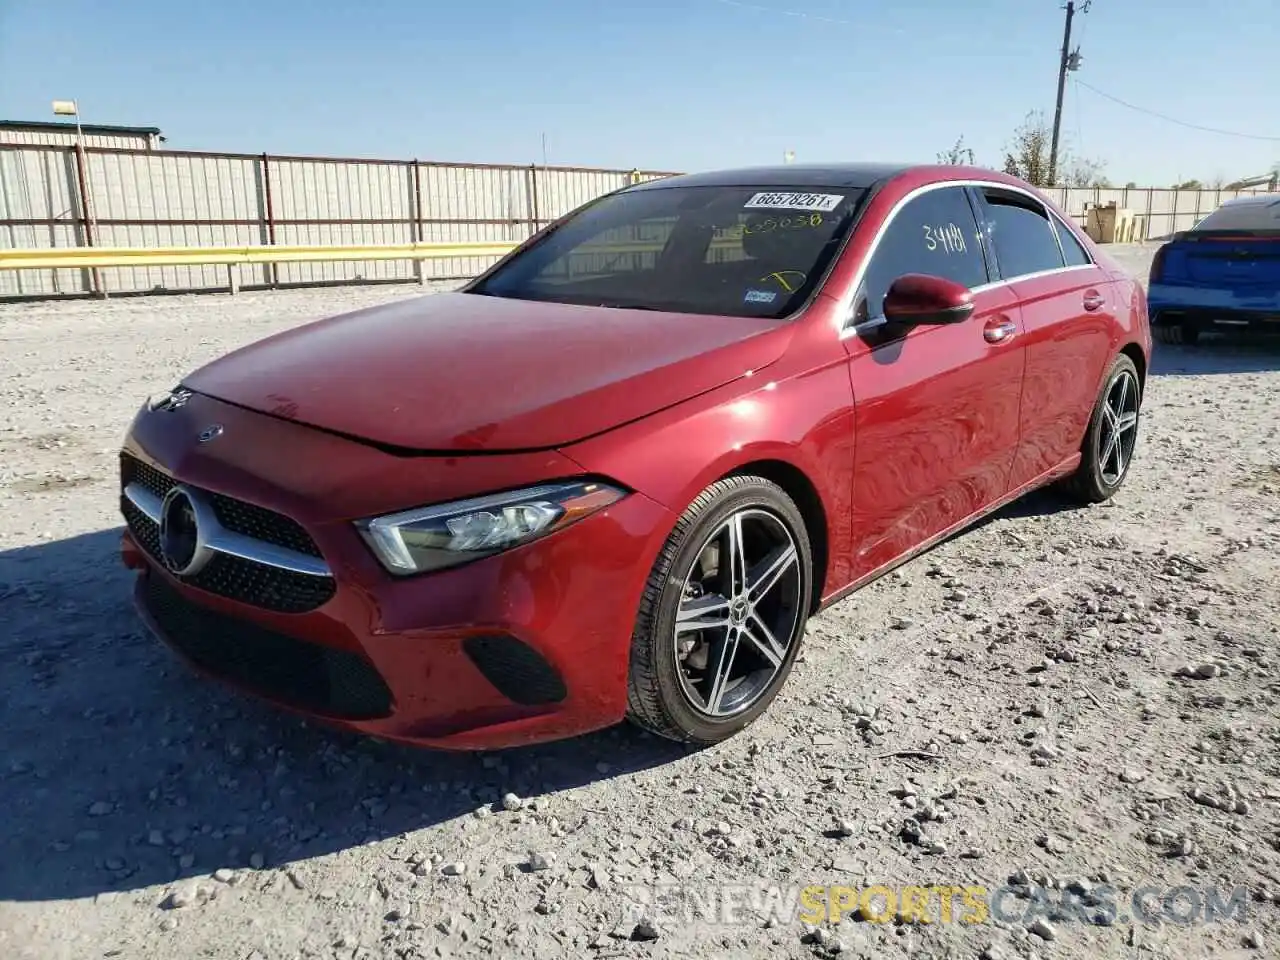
825, 202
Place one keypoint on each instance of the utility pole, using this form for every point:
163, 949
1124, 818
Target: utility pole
1070, 60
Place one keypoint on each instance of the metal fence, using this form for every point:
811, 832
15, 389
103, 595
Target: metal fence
55, 196
1161, 211
52, 196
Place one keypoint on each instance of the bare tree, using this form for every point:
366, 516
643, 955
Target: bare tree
1027, 157
1081, 172
958, 155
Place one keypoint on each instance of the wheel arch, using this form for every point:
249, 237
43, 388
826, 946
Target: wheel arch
1135, 353
804, 493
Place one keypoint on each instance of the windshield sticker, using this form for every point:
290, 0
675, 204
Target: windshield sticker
824, 202
760, 296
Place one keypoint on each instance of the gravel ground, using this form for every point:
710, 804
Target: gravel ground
1063, 701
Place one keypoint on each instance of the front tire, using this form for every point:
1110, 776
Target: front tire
1112, 436
723, 614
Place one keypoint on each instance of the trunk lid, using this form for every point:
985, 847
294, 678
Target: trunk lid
1235, 260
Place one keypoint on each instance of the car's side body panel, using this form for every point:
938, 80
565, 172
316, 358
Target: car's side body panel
937, 428
798, 412
1070, 301
937, 406
924, 435
1067, 349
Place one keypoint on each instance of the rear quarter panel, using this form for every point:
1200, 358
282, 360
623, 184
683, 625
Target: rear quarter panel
1128, 294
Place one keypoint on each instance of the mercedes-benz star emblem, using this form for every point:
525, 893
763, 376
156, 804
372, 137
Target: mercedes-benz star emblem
209, 432
182, 545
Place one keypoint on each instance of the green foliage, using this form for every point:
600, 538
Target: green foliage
958, 155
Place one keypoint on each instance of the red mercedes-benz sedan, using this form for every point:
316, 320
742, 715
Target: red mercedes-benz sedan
614, 475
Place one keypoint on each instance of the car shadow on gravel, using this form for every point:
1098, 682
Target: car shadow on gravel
1217, 353
119, 768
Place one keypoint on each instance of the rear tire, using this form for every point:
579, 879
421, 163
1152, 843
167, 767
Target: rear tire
1176, 334
1111, 438
703, 684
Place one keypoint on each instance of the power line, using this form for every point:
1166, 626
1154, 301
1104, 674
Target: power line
1075, 96
1175, 120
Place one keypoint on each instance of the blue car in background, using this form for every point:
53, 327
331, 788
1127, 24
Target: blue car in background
1223, 272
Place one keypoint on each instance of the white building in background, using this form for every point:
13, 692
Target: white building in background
61, 133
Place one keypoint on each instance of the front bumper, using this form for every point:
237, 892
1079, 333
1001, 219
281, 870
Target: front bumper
527, 646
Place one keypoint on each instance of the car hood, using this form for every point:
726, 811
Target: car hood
465, 372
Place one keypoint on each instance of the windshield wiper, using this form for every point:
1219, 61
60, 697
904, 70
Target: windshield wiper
629, 306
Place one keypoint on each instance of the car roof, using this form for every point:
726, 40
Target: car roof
856, 175
1262, 199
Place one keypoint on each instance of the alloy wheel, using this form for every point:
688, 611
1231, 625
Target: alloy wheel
1118, 432
739, 609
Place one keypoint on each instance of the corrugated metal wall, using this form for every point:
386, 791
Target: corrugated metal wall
58, 138
161, 199
40, 207
341, 202
175, 198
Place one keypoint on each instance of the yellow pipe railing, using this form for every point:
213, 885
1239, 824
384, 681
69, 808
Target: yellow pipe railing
77, 258
97, 258
89, 257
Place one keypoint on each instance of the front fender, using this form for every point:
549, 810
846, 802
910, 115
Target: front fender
805, 421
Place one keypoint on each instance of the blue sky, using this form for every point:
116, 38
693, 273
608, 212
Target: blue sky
663, 84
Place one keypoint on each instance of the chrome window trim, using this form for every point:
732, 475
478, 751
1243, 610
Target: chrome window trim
221, 540
1032, 276
1060, 224
845, 303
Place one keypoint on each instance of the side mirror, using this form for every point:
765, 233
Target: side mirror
918, 298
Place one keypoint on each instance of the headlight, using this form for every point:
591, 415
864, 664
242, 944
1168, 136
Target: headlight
432, 538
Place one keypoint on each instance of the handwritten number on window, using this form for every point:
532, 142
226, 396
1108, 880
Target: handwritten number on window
798, 222
948, 238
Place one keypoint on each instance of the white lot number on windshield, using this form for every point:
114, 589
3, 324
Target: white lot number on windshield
824, 202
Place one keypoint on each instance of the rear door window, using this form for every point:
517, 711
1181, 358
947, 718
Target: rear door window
934, 233
1021, 233
1076, 255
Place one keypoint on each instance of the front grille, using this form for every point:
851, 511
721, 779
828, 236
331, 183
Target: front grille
260, 523
336, 683
247, 581
133, 470
237, 516
144, 529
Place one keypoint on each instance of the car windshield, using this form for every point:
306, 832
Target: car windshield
731, 250
1253, 216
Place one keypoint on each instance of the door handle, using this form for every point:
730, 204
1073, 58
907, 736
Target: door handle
1093, 300
999, 329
